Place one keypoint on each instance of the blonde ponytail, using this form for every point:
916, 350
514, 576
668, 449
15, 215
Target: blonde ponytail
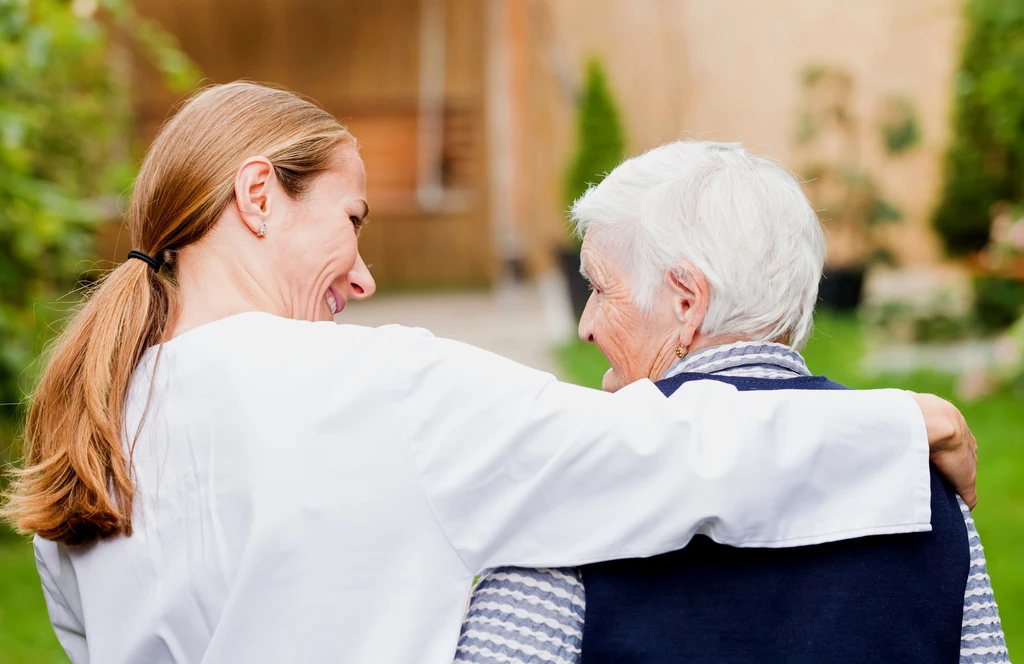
76, 483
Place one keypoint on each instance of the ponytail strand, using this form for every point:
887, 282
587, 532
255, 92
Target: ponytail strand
76, 485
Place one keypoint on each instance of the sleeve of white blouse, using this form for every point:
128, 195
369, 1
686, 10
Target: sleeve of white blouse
65, 612
521, 469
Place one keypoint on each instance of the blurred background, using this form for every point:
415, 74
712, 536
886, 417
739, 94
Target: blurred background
481, 120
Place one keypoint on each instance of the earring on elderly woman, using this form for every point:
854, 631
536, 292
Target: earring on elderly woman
681, 351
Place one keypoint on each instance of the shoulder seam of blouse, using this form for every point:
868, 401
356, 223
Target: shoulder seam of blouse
423, 489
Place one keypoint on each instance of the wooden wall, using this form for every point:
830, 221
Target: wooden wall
360, 60
730, 71
704, 68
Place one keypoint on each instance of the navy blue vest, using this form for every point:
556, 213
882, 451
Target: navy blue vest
897, 598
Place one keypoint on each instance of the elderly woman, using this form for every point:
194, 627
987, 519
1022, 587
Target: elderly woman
217, 472
704, 262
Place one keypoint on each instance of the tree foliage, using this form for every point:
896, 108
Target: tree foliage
829, 136
900, 129
985, 160
600, 138
65, 156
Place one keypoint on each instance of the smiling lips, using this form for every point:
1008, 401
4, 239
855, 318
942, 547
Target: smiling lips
334, 300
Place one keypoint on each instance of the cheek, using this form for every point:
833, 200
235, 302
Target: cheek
613, 333
328, 244
341, 248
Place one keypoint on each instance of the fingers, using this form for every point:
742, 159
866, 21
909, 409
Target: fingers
954, 450
943, 422
959, 467
969, 491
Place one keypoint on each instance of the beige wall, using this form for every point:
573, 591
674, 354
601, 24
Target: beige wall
729, 70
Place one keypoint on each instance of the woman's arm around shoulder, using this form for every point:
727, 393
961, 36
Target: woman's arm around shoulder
521, 469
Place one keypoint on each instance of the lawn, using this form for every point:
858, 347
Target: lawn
997, 422
25, 634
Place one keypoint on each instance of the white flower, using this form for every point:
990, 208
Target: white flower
1015, 235
1007, 352
974, 385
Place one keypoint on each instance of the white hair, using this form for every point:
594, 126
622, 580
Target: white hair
742, 220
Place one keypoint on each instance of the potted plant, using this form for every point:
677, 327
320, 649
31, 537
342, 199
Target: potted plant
850, 201
983, 162
998, 270
600, 146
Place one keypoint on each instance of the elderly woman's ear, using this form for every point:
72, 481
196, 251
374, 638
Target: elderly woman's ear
690, 294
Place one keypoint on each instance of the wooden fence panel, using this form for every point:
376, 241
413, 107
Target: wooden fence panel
360, 61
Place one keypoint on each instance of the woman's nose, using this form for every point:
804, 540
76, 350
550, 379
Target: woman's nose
586, 328
361, 285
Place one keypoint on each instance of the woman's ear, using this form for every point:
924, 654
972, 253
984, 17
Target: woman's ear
253, 186
690, 296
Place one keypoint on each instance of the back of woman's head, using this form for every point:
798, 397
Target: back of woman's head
76, 484
741, 219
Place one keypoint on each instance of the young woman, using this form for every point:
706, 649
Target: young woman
217, 472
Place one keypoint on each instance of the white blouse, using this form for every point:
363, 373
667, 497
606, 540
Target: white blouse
311, 492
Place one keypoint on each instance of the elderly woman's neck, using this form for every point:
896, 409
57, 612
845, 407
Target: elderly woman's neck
668, 355
700, 342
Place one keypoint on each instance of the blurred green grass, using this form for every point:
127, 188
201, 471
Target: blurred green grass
25, 634
997, 421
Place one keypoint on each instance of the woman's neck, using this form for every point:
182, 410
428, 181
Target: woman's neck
701, 342
212, 286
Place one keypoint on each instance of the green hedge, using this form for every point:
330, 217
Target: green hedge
65, 157
985, 160
600, 139
999, 302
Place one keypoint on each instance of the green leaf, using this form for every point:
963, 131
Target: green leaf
901, 130
65, 111
600, 138
883, 211
984, 163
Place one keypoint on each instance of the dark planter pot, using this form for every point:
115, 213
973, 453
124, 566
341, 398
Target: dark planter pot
579, 290
841, 288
